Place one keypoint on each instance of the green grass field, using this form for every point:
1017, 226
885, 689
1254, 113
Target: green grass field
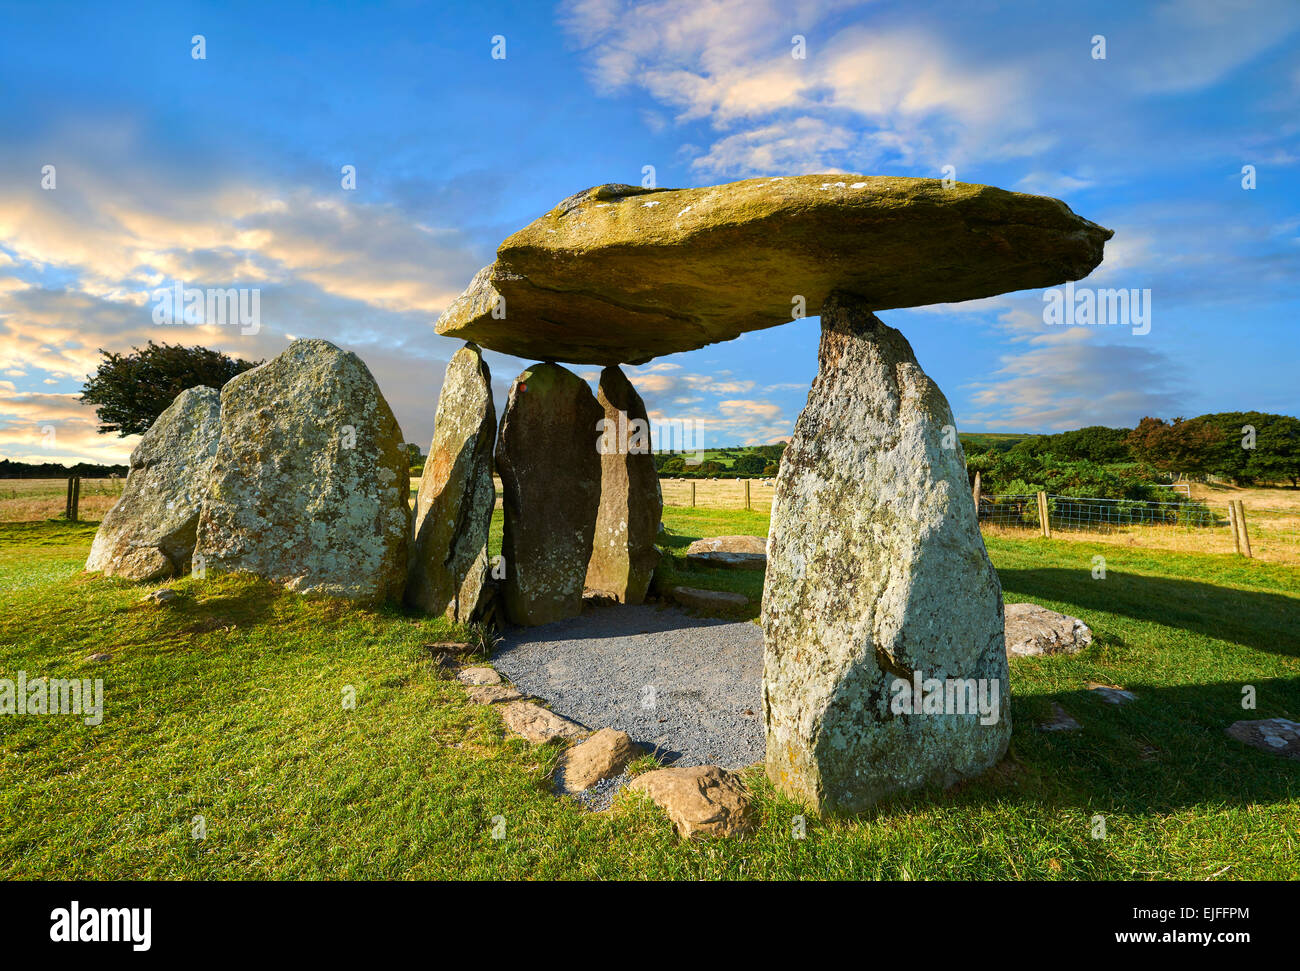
227, 704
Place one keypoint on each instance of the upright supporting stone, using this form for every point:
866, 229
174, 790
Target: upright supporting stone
623, 555
149, 533
877, 584
309, 487
453, 511
550, 477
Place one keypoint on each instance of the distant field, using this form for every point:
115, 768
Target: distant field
29, 500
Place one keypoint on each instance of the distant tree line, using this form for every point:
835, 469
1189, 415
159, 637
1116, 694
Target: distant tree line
747, 462
53, 470
1244, 447
1129, 463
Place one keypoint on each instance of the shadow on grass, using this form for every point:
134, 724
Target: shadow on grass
48, 532
1264, 621
1166, 751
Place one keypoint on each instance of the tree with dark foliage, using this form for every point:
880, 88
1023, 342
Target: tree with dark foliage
129, 391
1183, 446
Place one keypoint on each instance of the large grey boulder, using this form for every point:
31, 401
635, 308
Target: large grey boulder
550, 480
309, 486
150, 531
623, 273
623, 554
877, 582
453, 509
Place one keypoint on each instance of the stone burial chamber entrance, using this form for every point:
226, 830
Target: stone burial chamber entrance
877, 579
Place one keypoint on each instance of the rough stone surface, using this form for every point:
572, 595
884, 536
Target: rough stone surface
165, 595
309, 486
479, 675
701, 800
709, 599
623, 554
538, 724
876, 573
453, 509
550, 478
729, 552
1277, 736
602, 756
150, 531
492, 694
619, 273
1033, 630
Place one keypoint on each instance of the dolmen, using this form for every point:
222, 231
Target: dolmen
885, 663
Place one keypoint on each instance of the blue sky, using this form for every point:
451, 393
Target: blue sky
225, 172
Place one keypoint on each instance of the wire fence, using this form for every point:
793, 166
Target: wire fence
1193, 524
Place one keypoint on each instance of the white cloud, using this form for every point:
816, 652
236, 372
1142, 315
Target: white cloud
1065, 386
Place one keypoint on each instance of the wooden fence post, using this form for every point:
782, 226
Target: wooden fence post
1232, 525
747, 505
692, 493
1043, 515
1241, 526
74, 498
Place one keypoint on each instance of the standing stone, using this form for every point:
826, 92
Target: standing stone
310, 486
550, 477
149, 533
453, 511
877, 576
623, 555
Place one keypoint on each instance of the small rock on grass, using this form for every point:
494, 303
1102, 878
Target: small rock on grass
479, 676
1060, 721
708, 599
492, 694
1277, 736
602, 756
1110, 693
537, 724
702, 801
1033, 630
99, 658
729, 552
165, 595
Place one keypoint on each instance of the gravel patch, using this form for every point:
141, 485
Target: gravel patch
689, 687
599, 797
